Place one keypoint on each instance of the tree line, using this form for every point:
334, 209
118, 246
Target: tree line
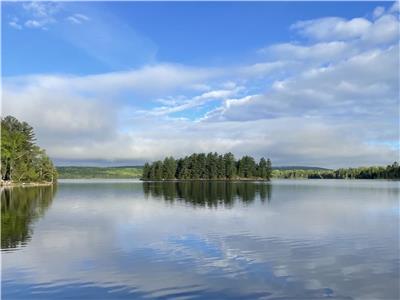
208, 166
21, 159
375, 172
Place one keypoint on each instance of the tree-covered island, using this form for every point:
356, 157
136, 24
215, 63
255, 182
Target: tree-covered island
22, 161
211, 166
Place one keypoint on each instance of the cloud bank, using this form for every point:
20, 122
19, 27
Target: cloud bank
329, 98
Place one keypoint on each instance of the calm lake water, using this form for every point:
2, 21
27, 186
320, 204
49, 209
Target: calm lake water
289, 239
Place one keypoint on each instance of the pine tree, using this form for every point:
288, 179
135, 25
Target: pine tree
221, 167
230, 166
21, 159
269, 169
262, 168
169, 168
146, 171
158, 170
211, 162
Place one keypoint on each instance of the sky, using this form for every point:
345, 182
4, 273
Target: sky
121, 83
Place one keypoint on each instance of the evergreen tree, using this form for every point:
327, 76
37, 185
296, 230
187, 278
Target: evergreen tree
246, 167
158, 170
230, 166
210, 166
21, 159
221, 167
262, 168
146, 172
269, 169
211, 163
169, 168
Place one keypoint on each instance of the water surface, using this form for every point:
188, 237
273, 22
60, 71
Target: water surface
289, 239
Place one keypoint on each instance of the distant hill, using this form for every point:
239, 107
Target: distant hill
75, 172
298, 168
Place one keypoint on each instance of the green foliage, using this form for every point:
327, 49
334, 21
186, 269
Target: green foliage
21, 159
169, 168
230, 166
207, 166
98, 172
246, 167
374, 172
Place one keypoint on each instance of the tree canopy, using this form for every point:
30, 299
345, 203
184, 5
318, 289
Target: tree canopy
21, 159
375, 172
208, 166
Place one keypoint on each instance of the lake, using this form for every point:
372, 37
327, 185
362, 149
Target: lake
116, 239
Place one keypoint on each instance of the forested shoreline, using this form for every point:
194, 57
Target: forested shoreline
211, 166
22, 161
373, 172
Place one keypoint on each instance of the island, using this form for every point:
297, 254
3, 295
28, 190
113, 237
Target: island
211, 166
22, 161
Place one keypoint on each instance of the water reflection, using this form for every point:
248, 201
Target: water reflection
122, 240
20, 207
208, 193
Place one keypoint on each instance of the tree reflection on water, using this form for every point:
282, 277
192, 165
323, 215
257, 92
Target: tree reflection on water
20, 208
208, 193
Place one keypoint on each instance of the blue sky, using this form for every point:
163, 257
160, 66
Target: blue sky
211, 33
114, 83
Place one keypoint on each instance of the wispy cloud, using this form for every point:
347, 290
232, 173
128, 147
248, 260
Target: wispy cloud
78, 18
14, 23
42, 15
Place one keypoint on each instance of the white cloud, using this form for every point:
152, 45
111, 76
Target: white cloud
333, 28
379, 11
14, 24
41, 9
177, 105
384, 29
40, 14
328, 51
33, 24
330, 101
78, 18
395, 8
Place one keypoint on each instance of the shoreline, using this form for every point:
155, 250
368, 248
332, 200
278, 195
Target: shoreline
7, 184
203, 179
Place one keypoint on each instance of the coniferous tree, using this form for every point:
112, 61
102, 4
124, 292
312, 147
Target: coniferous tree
230, 166
246, 167
269, 169
21, 159
262, 168
211, 163
158, 170
202, 165
221, 167
210, 166
146, 171
169, 168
